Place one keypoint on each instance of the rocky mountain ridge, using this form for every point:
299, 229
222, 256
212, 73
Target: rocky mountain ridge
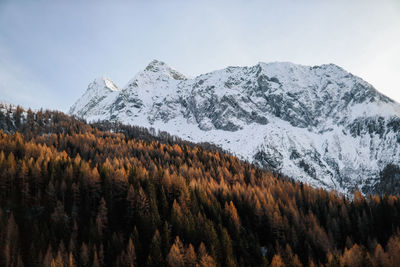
320, 125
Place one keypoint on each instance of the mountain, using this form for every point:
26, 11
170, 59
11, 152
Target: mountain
320, 125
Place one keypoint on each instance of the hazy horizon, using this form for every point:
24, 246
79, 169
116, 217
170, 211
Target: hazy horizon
51, 51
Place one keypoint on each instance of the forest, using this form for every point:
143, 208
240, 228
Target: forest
106, 194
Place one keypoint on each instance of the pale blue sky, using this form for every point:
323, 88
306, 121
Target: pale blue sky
51, 50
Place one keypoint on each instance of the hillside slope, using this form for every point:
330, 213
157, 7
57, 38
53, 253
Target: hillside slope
73, 195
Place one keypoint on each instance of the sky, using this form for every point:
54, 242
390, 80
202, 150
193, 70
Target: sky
50, 50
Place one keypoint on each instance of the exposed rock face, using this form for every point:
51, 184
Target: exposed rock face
321, 124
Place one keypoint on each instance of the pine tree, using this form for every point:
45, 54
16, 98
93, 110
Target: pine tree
226, 243
166, 236
277, 261
232, 213
128, 256
101, 218
207, 261
353, 256
84, 255
96, 262
393, 249
59, 262
190, 256
47, 258
71, 260
381, 259
175, 256
333, 260
155, 255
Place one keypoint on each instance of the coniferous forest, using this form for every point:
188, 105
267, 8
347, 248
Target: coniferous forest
105, 194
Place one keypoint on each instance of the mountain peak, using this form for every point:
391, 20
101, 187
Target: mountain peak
156, 65
155, 72
97, 90
103, 82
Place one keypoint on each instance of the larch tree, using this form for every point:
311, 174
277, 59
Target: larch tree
175, 257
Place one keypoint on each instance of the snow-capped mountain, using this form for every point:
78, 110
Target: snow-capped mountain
320, 125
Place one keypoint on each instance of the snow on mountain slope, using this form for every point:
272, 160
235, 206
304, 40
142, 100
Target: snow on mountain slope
101, 90
320, 125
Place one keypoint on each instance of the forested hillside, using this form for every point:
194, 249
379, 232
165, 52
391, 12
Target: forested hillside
74, 194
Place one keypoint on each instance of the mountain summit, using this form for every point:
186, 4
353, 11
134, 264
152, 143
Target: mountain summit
321, 124
157, 66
